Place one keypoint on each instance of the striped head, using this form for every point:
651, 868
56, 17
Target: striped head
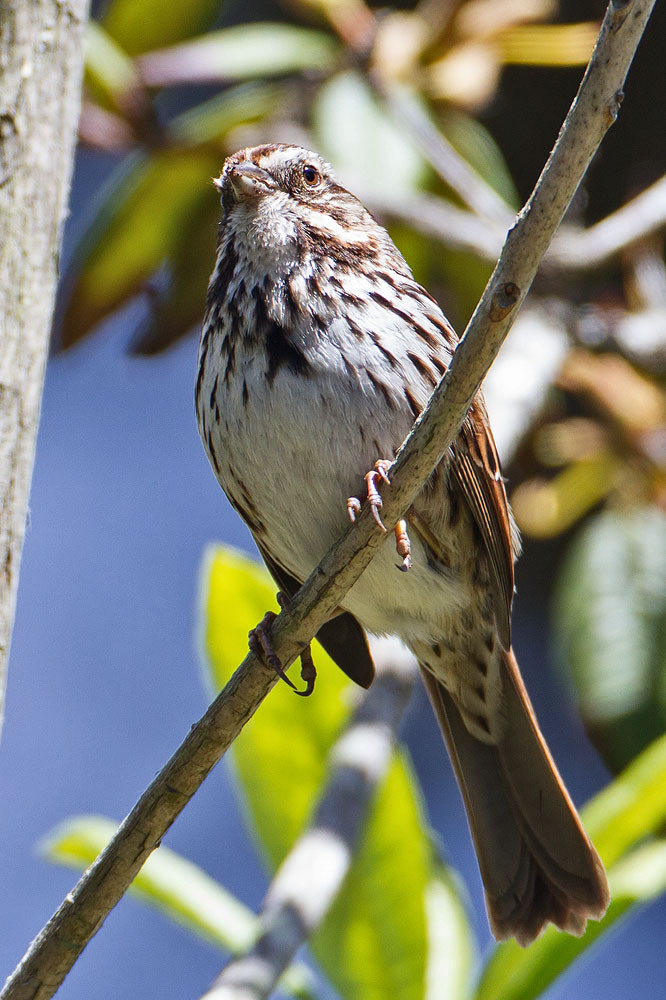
287, 200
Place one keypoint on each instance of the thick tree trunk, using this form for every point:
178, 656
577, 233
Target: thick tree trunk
41, 58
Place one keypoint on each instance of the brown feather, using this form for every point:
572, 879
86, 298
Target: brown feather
537, 863
476, 468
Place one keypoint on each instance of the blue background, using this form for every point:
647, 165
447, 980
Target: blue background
105, 681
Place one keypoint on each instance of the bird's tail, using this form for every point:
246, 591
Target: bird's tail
537, 863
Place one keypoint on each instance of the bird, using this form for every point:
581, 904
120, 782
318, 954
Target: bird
318, 351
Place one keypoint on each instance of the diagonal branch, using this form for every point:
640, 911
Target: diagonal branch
311, 876
594, 110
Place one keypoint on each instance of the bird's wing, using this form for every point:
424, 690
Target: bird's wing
476, 468
342, 637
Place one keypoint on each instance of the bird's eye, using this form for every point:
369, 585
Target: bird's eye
311, 175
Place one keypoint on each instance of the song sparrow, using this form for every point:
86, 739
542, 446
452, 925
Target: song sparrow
318, 351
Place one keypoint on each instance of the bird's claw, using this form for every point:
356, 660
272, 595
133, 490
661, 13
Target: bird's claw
372, 478
403, 546
260, 643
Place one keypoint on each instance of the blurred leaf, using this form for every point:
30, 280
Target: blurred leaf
514, 973
611, 618
180, 306
139, 227
548, 44
240, 53
238, 105
280, 758
631, 808
176, 887
452, 949
546, 508
373, 943
476, 145
352, 130
152, 24
109, 71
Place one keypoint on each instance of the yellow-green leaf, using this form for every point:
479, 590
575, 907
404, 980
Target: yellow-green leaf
374, 942
173, 885
150, 24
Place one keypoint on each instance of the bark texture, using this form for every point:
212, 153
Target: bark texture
41, 60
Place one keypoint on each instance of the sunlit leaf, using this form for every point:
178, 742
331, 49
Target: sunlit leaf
374, 942
548, 44
176, 887
358, 136
109, 71
152, 24
631, 808
243, 52
452, 948
545, 508
611, 620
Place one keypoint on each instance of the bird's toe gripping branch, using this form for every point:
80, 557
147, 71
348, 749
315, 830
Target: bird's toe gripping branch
372, 479
260, 642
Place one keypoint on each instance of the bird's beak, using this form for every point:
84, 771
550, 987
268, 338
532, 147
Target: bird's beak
247, 180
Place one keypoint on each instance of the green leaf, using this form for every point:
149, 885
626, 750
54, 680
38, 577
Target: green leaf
180, 305
611, 617
514, 973
139, 226
176, 887
452, 948
280, 758
109, 71
374, 942
631, 808
356, 133
152, 24
476, 145
236, 106
244, 52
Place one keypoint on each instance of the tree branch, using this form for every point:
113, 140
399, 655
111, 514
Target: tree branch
41, 55
311, 876
585, 249
57, 947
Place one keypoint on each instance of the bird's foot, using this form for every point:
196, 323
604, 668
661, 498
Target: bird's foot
372, 479
260, 642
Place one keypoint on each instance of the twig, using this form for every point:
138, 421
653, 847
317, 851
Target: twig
309, 879
454, 170
59, 944
641, 217
573, 249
